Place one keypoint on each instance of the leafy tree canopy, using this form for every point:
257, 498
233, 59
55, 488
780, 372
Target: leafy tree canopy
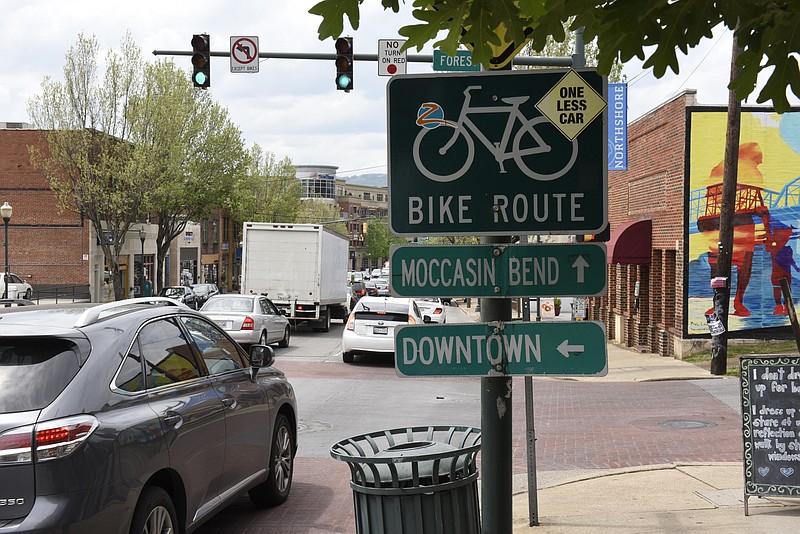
269, 191
652, 31
379, 239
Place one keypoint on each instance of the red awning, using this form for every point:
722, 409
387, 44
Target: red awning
631, 243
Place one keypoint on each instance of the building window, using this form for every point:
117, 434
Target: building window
379, 197
322, 187
367, 196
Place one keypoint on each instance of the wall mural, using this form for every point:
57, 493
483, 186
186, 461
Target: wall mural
766, 220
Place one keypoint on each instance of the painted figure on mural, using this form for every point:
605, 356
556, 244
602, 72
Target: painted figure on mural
775, 242
749, 203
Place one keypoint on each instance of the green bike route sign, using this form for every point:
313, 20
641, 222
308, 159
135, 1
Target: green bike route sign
544, 270
497, 153
498, 349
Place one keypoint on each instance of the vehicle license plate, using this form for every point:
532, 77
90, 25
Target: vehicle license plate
228, 325
380, 329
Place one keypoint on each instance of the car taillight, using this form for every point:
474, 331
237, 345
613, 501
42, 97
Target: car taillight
351, 322
45, 441
248, 324
56, 439
438, 311
16, 445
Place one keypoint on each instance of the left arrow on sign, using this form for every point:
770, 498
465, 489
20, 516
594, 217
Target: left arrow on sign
565, 348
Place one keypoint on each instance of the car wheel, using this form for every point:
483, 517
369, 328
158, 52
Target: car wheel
263, 339
348, 357
275, 490
154, 513
283, 343
28, 294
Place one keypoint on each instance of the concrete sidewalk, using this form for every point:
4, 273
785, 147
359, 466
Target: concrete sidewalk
659, 498
656, 498
663, 498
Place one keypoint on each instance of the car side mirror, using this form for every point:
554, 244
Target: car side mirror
260, 356
427, 319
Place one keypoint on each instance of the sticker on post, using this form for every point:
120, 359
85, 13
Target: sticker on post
715, 326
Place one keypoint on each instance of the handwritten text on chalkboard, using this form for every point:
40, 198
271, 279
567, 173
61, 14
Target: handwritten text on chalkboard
771, 424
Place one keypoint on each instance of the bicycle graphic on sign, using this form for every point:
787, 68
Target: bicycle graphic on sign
444, 158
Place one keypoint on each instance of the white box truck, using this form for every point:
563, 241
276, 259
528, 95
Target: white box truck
301, 268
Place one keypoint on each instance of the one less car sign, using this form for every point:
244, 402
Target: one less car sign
497, 153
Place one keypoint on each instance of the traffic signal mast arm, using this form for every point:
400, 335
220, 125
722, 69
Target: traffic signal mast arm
413, 58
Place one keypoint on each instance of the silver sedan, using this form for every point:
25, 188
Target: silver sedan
249, 319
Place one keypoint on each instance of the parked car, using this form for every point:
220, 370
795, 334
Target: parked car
249, 319
135, 416
204, 292
370, 327
17, 287
182, 294
434, 308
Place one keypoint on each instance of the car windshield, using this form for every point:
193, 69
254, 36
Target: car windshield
49, 363
229, 304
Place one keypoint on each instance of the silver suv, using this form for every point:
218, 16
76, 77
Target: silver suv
135, 416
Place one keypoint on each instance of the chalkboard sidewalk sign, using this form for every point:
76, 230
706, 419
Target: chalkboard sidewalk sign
770, 387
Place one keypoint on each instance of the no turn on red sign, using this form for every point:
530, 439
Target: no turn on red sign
391, 60
244, 54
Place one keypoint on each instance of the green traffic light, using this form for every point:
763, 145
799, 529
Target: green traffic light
200, 78
344, 81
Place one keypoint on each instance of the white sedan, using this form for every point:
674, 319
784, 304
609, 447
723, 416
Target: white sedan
370, 327
434, 308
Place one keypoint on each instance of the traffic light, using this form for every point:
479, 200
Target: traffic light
201, 60
344, 64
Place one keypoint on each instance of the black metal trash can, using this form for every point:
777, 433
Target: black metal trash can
415, 480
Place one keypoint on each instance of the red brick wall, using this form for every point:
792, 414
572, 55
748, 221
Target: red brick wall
653, 188
43, 242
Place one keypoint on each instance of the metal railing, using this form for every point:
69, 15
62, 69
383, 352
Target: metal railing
58, 294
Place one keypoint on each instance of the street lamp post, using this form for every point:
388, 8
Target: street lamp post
5, 212
142, 236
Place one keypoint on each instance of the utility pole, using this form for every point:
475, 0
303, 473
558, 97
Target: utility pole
719, 343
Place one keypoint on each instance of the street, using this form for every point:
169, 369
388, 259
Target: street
580, 426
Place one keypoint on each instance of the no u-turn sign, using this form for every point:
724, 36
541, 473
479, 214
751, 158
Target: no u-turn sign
391, 60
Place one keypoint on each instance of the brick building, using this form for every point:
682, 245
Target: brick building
664, 219
45, 246
55, 249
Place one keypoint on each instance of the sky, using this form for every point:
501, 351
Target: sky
290, 107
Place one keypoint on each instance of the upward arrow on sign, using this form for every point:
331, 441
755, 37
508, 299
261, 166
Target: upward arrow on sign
580, 265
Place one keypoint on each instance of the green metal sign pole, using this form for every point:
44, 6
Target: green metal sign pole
496, 426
